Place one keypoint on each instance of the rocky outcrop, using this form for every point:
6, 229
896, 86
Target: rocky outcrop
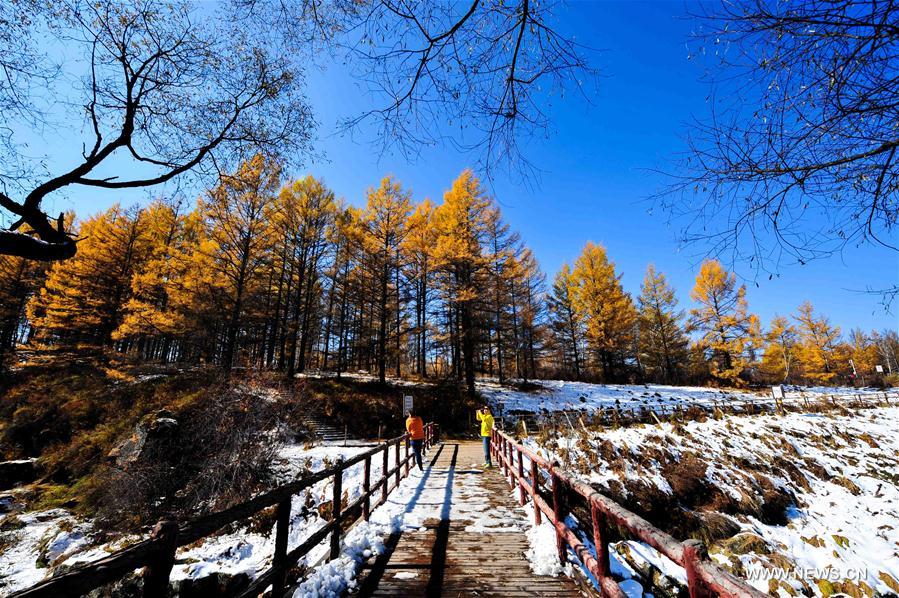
149, 440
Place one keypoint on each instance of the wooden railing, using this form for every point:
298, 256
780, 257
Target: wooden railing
157, 553
704, 579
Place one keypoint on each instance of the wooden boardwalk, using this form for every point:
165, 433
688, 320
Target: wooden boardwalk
470, 539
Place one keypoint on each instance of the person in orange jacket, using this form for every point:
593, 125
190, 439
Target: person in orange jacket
416, 429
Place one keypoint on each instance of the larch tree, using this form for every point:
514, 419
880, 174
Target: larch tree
83, 299
818, 344
500, 248
730, 333
780, 351
305, 210
566, 322
384, 229
607, 310
461, 224
863, 354
418, 247
237, 213
662, 341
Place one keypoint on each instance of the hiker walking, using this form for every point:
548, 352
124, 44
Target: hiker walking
416, 430
486, 418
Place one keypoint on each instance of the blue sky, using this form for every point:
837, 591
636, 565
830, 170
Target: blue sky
596, 168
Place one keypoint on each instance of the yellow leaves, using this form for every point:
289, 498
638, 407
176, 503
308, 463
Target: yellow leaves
598, 296
730, 333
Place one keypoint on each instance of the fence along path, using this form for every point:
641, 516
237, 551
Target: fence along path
156, 555
462, 535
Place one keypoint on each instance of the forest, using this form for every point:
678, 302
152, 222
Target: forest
273, 273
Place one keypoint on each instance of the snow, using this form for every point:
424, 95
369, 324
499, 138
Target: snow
57, 536
832, 527
560, 395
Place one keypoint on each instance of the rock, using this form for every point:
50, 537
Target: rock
149, 438
212, 585
16, 473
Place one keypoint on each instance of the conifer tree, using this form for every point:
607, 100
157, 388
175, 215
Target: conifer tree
83, 298
461, 225
662, 342
565, 321
818, 345
304, 211
607, 310
418, 247
384, 227
780, 349
729, 332
237, 211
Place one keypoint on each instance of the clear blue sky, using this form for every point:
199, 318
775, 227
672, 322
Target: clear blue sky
596, 179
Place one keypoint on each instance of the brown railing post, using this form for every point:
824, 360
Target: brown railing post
366, 488
521, 497
396, 452
406, 460
601, 541
538, 516
384, 475
694, 551
156, 574
558, 513
335, 513
279, 564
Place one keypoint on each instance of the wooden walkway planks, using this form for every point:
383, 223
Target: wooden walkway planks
471, 542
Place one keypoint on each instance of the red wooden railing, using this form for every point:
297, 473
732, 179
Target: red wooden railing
704, 579
157, 553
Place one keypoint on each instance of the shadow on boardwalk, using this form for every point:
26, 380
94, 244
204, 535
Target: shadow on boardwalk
471, 541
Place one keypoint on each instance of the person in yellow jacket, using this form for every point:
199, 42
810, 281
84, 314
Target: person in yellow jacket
486, 418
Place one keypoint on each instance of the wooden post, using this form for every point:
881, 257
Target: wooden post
279, 560
408, 442
335, 512
156, 574
534, 477
558, 514
694, 551
366, 487
396, 454
601, 541
384, 477
521, 497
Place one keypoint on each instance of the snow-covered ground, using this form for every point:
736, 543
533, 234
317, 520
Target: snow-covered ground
559, 395
38, 541
839, 471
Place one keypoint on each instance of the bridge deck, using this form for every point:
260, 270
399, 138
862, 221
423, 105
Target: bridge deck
467, 537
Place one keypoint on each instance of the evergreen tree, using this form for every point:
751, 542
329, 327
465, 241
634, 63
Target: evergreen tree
818, 345
729, 332
662, 341
566, 322
238, 214
20, 280
384, 226
461, 225
606, 309
83, 298
418, 247
780, 352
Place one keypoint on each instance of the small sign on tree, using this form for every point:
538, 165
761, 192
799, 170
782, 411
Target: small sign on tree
879, 368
